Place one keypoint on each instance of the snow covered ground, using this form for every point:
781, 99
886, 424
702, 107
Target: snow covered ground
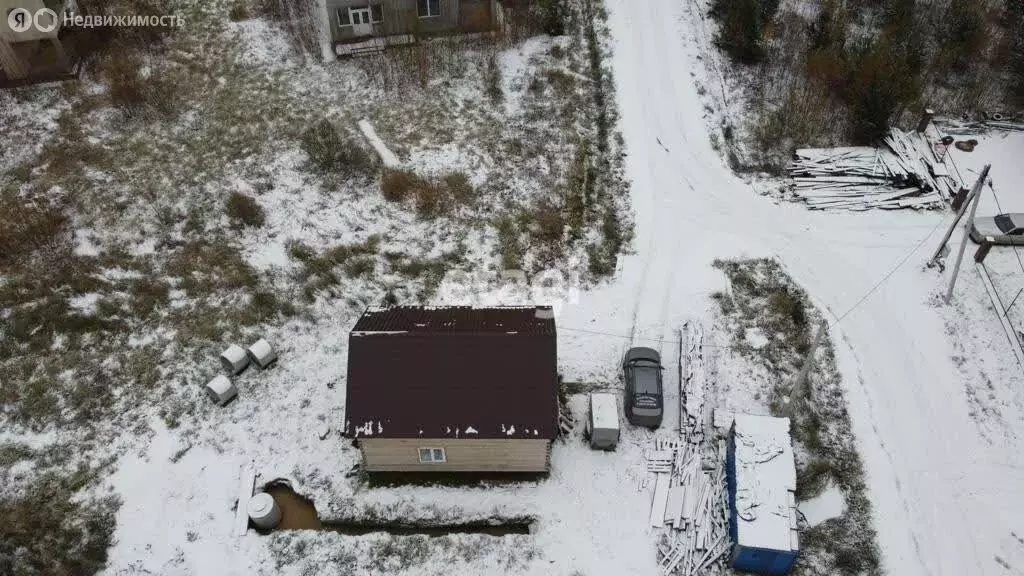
934, 393
945, 495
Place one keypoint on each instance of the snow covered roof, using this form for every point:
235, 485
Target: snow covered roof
459, 372
456, 319
604, 410
765, 504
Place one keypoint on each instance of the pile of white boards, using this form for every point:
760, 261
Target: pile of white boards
969, 128
909, 170
689, 497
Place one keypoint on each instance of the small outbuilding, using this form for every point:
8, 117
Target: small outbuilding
761, 476
603, 425
448, 389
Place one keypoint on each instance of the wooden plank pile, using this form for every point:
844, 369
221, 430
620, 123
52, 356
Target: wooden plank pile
692, 380
689, 494
905, 172
969, 128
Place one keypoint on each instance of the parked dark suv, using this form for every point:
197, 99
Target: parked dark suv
645, 399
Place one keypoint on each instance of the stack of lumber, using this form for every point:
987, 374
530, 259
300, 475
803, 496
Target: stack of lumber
692, 502
689, 489
968, 128
566, 421
903, 173
693, 384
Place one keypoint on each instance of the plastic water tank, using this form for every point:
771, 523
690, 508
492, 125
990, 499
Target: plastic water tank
263, 511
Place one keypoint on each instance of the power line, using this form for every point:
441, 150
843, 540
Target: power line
838, 319
628, 337
887, 276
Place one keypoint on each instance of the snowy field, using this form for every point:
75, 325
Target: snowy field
934, 393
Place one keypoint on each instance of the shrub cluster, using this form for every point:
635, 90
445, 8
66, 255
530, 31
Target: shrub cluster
331, 154
432, 196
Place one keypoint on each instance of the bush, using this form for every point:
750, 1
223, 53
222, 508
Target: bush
741, 32
459, 187
1014, 49
554, 17
509, 243
397, 185
243, 210
329, 153
26, 228
358, 267
134, 94
884, 80
432, 197
493, 80
962, 36
238, 11
548, 223
51, 530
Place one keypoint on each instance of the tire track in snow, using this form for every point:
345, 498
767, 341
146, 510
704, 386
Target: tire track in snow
880, 438
661, 111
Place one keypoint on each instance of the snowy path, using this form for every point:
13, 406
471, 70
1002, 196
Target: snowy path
945, 498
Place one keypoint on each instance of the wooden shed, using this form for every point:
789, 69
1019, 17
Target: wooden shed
453, 389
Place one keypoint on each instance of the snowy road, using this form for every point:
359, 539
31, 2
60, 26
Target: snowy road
946, 499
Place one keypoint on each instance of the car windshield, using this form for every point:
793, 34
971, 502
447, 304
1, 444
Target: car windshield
646, 379
1004, 223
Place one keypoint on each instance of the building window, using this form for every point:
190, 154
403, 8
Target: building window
428, 8
432, 455
356, 15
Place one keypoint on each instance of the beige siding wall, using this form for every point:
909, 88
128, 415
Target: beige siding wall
463, 455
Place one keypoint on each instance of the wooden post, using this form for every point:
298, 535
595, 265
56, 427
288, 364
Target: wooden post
684, 336
926, 119
975, 193
983, 250
967, 230
959, 198
796, 392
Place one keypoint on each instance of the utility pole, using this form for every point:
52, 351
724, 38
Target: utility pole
796, 392
975, 191
967, 230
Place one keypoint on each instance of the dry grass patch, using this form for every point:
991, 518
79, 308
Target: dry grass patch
245, 211
432, 197
331, 153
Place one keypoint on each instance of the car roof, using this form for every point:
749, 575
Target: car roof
642, 353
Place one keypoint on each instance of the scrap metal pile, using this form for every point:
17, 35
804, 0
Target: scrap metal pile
910, 170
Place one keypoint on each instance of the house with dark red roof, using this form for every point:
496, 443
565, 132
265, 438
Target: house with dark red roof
453, 389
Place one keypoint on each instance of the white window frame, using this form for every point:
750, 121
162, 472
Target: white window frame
428, 14
349, 10
433, 455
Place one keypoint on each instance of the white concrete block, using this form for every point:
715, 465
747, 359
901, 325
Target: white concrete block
221, 390
261, 353
234, 359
